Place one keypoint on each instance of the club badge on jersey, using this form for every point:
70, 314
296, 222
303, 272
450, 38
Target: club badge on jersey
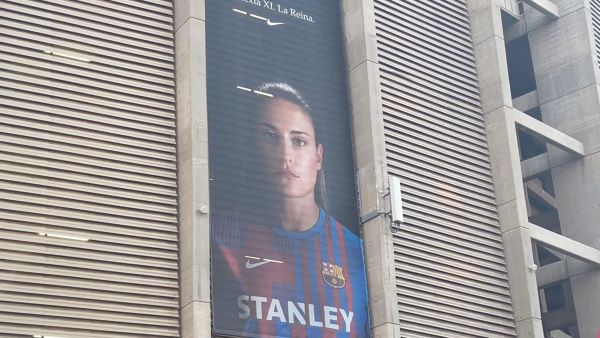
333, 275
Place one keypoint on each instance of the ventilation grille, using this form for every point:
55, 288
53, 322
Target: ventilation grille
595, 10
450, 268
87, 152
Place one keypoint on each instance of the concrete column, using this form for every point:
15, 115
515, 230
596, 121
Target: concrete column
566, 69
192, 147
358, 19
496, 102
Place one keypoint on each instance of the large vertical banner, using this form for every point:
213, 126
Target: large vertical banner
287, 258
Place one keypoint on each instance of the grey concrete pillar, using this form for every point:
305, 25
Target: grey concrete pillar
192, 147
492, 71
358, 19
567, 74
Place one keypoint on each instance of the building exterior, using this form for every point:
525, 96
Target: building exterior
488, 111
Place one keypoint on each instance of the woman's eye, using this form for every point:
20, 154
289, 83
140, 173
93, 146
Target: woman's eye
268, 134
299, 142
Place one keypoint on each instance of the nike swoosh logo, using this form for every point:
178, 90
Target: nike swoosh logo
254, 265
270, 23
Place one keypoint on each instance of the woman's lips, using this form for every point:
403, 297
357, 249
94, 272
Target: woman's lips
286, 173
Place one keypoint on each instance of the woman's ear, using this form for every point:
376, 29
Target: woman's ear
320, 156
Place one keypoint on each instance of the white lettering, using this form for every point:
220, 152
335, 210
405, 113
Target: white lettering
275, 310
347, 318
259, 301
330, 317
245, 308
294, 313
311, 317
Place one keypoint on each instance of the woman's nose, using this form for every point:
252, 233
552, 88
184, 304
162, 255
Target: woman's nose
285, 151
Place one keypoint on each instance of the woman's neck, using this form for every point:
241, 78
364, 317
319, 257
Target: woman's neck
299, 214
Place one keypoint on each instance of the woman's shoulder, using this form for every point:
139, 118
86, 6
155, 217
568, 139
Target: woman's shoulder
232, 229
343, 230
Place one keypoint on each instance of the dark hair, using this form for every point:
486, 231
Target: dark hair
283, 90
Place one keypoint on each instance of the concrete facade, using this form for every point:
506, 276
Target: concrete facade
496, 102
568, 83
192, 141
358, 20
561, 39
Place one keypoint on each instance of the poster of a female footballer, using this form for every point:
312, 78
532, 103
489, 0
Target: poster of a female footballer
297, 272
286, 254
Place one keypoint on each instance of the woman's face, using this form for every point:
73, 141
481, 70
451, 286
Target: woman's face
286, 140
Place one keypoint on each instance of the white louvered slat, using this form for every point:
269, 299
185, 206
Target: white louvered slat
88, 185
450, 268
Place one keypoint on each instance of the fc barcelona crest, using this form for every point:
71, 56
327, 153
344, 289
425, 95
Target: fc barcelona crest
333, 275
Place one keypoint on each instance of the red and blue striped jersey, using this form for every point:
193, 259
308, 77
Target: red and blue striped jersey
271, 282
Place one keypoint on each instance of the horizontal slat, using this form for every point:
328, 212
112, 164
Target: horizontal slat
431, 34
143, 15
32, 47
118, 97
32, 52
156, 6
26, 99
487, 244
450, 266
51, 200
27, 331
40, 27
44, 150
120, 197
457, 252
437, 172
56, 65
141, 134
87, 269
70, 75
75, 293
59, 96
414, 265
93, 245
76, 141
90, 183
16, 205
474, 319
87, 49
435, 293
435, 150
85, 324
109, 234
75, 284
160, 185
57, 247
15, 297
445, 325
446, 284
424, 76
428, 14
425, 53
67, 313
77, 21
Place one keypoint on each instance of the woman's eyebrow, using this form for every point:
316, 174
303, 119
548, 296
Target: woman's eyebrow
268, 125
299, 132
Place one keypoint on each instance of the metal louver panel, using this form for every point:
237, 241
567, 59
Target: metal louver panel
450, 269
595, 11
88, 186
